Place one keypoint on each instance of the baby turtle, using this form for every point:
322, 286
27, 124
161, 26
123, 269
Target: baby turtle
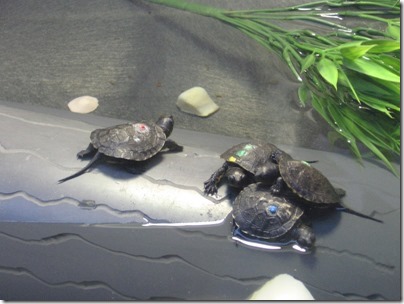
244, 164
310, 184
260, 214
135, 141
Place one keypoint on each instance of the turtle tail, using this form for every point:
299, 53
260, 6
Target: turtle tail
96, 157
347, 210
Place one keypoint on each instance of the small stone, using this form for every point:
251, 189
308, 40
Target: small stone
196, 101
83, 104
282, 287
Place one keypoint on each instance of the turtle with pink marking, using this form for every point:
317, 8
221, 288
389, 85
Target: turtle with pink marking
135, 141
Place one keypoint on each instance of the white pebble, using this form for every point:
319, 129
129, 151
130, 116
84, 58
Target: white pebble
197, 101
83, 104
282, 287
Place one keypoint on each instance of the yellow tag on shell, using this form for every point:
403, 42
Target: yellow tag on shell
232, 159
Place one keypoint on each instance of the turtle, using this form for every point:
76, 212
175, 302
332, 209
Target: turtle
244, 164
133, 141
277, 219
309, 184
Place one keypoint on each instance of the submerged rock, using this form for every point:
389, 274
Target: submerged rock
282, 287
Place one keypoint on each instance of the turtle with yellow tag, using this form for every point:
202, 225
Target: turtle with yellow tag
244, 164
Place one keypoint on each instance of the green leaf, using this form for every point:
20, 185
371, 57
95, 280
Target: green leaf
329, 71
392, 62
371, 68
308, 62
286, 56
382, 46
330, 113
393, 30
353, 52
343, 79
368, 143
304, 94
376, 128
375, 87
379, 105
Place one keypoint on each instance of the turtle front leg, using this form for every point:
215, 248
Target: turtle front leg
172, 146
88, 152
210, 186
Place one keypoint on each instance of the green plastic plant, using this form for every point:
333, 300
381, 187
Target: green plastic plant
351, 76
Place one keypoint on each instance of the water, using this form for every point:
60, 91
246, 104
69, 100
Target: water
96, 237
105, 235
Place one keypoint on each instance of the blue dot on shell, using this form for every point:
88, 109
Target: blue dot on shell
272, 209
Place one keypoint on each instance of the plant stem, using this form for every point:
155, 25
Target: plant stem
192, 7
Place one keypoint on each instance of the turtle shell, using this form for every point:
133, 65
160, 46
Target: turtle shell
250, 156
258, 213
308, 182
133, 141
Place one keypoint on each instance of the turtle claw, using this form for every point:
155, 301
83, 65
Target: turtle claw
274, 190
277, 187
210, 187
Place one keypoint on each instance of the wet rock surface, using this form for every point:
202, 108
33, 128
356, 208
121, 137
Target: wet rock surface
110, 234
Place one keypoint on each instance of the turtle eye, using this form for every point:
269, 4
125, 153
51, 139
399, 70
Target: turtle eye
272, 209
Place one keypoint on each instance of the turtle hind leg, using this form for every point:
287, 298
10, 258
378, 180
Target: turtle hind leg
87, 152
96, 157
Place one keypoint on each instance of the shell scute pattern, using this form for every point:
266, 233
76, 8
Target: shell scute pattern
132, 141
137, 141
250, 156
308, 182
258, 213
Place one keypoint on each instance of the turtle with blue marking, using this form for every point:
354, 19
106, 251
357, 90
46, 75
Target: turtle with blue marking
260, 215
245, 163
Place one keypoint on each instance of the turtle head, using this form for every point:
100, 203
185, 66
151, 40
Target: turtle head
237, 177
278, 155
166, 122
305, 236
